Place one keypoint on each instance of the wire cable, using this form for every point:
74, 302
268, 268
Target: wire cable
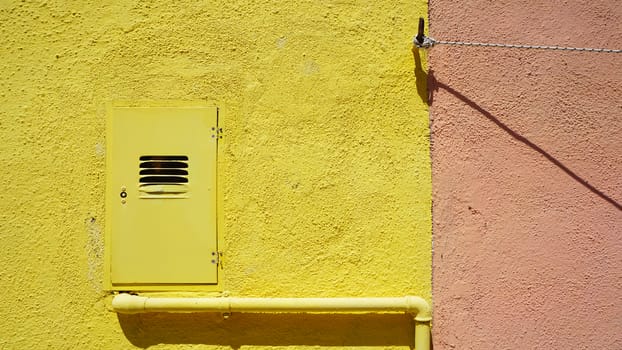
518, 46
426, 42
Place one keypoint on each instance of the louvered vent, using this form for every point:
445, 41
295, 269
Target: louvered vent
163, 176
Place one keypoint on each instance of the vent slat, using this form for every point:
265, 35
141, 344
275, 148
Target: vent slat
158, 171
163, 179
163, 165
163, 158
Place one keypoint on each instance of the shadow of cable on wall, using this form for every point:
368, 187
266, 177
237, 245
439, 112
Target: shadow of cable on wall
347, 330
427, 95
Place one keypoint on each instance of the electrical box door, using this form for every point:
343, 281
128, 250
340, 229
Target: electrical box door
161, 196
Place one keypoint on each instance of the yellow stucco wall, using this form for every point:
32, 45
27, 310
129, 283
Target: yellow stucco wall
324, 167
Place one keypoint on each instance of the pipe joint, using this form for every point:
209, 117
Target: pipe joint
420, 308
129, 304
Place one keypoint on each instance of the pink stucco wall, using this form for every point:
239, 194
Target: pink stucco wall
527, 176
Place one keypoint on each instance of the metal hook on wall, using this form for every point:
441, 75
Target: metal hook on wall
420, 40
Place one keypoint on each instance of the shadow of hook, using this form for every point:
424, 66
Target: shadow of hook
421, 77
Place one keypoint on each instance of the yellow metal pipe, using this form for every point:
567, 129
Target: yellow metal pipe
131, 304
422, 335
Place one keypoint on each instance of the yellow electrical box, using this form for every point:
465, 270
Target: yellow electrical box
161, 229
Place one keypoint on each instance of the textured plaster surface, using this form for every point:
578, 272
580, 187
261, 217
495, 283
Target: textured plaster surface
324, 164
527, 157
